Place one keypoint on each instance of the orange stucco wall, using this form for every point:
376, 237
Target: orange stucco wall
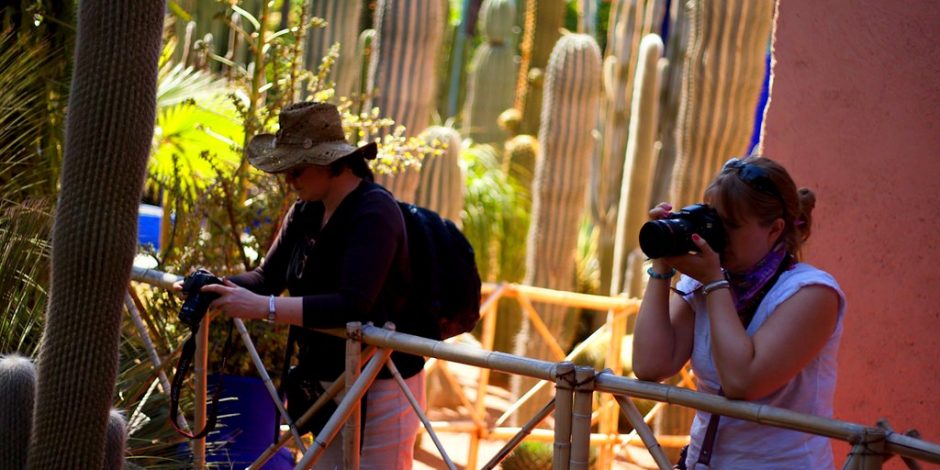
855, 115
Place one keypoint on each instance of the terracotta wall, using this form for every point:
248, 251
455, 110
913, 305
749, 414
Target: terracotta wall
855, 115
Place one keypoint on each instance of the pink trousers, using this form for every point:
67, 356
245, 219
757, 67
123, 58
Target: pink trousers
391, 428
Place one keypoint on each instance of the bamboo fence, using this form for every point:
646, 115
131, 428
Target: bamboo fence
574, 389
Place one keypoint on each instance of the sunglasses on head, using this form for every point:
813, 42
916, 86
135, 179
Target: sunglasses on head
757, 178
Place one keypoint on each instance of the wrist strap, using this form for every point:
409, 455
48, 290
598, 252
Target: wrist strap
272, 313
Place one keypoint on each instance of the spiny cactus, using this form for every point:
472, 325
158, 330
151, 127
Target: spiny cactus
629, 22
342, 17
401, 72
543, 22
638, 167
441, 188
17, 393
364, 53
721, 87
521, 154
115, 441
572, 90
493, 59
107, 142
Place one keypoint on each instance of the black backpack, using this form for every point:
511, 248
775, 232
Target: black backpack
445, 293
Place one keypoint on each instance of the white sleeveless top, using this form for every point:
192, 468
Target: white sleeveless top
743, 444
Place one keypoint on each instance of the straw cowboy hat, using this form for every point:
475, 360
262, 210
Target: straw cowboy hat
311, 133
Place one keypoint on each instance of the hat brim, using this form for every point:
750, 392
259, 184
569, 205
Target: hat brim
264, 155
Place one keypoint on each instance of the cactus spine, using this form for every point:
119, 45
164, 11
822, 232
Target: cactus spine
442, 181
17, 393
107, 140
638, 168
543, 22
494, 58
342, 17
401, 72
572, 90
629, 22
716, 116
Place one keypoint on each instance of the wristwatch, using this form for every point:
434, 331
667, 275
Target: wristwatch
272, 313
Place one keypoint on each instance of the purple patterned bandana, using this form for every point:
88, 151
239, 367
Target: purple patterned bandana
746, 285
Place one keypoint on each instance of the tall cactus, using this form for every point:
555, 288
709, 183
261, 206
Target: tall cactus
115, 441
17, 394
401, 72
494, 58
572, 90
677, 47
543, 22
723, 76
342, 17
108, 135
441, 188
638, 169
629, 22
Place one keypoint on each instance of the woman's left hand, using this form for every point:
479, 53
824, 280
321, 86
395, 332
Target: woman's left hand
704, 266
235, 301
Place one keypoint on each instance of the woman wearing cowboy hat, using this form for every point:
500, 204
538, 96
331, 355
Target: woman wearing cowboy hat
342, 256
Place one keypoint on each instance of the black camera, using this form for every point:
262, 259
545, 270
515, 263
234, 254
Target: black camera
197, 302
673, 235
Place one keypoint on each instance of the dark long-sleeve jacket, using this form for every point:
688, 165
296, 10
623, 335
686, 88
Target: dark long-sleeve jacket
353, 269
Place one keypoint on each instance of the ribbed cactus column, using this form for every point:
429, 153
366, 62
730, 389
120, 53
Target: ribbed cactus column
723, 75
629, 22
108, 133
572, 89
401, 72
493, 60
115, 441
441, 188
543, 22
342, 17
638, 167
17, 394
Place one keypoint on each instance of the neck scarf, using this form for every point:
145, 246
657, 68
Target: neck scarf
746, 286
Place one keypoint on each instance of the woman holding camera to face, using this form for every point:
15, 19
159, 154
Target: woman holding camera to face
756, 323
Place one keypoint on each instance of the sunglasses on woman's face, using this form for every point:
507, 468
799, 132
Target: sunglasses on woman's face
757, 178
295, 173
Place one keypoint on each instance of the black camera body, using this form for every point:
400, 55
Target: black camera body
672, 236
197, 302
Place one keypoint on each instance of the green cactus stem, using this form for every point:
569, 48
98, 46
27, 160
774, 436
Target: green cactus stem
494, 58
629, 22
342, 17
638, 167
572, 92
724, 71
543, 22
17, 394
402, 73
442, 184
94, 240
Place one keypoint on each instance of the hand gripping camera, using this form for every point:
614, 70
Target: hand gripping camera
197, 302
672, 236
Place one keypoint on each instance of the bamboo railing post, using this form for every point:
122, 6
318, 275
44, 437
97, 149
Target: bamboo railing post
479, 410
351, 431
581, 418
564, 380
353, 395
617, 326
524, 431
868, 450
200, 361
635, 418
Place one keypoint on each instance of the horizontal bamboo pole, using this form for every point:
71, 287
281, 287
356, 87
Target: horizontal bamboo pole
572, 299
547, 435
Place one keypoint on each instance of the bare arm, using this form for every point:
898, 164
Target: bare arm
662, 338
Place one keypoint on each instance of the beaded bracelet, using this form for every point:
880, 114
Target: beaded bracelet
656, 275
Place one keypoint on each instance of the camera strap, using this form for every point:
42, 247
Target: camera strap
182, 369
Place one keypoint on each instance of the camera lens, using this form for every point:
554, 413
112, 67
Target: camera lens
664, 237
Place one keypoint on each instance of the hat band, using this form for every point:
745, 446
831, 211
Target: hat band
302, 143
